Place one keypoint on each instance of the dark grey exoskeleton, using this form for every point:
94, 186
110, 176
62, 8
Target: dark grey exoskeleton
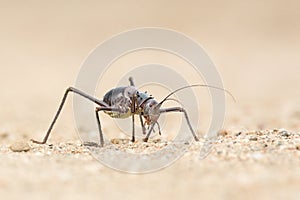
124, 102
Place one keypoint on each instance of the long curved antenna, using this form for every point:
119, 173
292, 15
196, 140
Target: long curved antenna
172, 99
197, 85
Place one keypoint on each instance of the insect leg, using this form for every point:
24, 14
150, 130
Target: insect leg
97, 110
159, 132
133, 110
149, 132
133, 133
179, 109
142, 124
141, 119
76, 91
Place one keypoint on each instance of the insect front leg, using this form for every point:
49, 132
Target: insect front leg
149, 133
179, 109
142, 124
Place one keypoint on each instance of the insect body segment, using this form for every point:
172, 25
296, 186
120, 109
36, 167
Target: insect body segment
129, 101
121, 99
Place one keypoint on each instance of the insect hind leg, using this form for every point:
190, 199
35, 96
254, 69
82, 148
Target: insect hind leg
76, 91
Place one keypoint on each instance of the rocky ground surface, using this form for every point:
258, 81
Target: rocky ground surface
258, 164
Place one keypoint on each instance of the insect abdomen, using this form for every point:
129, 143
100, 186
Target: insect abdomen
120, 98
112, 96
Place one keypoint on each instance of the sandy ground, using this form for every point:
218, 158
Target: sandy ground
256, 48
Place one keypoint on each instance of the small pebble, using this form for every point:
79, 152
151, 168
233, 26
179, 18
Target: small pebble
238, 134
3, 135
253, 139
223, 132
20, 146
115, 141
285, 134
91, 144
279, 143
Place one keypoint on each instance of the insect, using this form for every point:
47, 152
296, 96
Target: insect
127, 101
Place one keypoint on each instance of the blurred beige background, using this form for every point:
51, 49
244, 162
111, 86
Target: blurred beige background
255, 45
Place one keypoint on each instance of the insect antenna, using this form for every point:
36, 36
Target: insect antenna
189, 86
172, 99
